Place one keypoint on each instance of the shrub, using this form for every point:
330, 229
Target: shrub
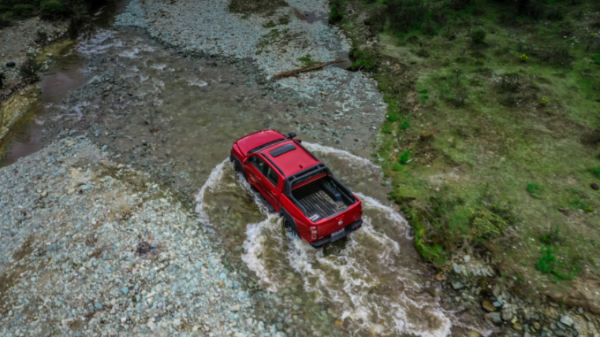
336, 14
595, 171
524, 58
22, 9
544, 101
551, 237
405, 15
534, 190
29, 69
396, 167
363, 59
393, 117
596, 58
547, 263
4, 21
404, 125
487, 224
556, 15
478, 36
404, 157
52, 8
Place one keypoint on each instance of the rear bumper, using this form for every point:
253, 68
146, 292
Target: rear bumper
347, 230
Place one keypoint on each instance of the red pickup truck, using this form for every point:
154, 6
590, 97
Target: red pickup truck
314, 205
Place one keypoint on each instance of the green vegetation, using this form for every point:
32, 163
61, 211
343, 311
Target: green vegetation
336, 14
52, 7
548, 263
478, 36
494, 102
28, 70
307, 62
534, 190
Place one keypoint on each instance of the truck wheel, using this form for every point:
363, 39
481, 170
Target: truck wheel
237, 165
290, 227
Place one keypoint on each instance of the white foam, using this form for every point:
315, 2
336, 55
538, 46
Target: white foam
353, 160
344, 280
198, 83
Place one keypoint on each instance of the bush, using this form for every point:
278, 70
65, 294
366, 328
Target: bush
363, 59
405, 125
556, 15
4, 21
595, 171
22, 10
29, 69
405, 15
336, 14
534, 190
404, 157
487, 224
478, 36
547, 263
52, 8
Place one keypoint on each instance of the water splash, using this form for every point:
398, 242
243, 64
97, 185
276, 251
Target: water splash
371, 280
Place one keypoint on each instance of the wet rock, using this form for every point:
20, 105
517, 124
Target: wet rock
560, 332
507, 314
488, 306
518, 327
493, 317
536, 325
566, 320
457, 285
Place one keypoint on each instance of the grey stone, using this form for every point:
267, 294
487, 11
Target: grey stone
457, 285
466, 258
493, 317
566, 320
507, 314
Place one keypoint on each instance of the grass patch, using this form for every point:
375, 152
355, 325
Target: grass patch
306, 61
534, 190
507, 109
549, 264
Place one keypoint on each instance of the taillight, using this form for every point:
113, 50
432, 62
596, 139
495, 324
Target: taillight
314, 233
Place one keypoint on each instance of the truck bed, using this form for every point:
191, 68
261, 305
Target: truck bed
321, 198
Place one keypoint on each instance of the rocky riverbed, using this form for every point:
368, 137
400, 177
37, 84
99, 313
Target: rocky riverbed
90, 248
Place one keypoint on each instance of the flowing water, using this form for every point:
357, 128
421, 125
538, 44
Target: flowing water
155, 108
371, 283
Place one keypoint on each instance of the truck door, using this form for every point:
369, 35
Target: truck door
265, 178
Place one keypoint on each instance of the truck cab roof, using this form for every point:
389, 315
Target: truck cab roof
289, 157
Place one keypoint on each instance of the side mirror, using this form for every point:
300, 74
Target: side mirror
292, 135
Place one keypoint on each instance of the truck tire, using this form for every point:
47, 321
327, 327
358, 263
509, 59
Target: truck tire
289, 225
237, 165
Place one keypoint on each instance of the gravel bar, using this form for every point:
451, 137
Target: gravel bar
93, 248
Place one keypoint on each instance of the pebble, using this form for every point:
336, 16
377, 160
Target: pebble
457, 285
566, 320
